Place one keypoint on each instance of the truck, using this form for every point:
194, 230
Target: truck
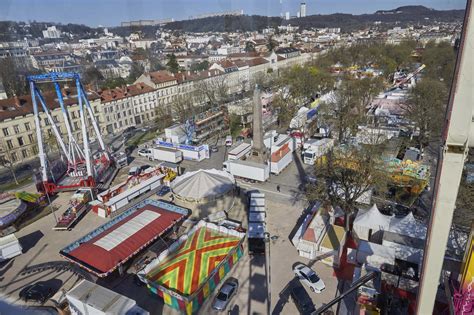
241, 151
257, 232
247, 170
313, 149
171, 155
9, 247
78, 207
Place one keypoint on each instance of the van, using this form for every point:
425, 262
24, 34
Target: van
135, 170
228, 141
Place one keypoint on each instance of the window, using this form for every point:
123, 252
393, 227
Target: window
5, 132
55, 119
16, 128
27, 126
76, 125
9, 144
30, 137
14, 157
35, 149
24, 153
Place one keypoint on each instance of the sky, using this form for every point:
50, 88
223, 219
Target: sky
112, 12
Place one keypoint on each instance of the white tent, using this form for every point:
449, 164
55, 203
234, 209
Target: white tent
408, 226
370, 220
202, 184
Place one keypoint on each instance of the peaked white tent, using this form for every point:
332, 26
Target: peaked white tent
202, 185
408, 226
370, 220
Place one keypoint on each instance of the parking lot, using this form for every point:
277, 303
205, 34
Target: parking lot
264, 280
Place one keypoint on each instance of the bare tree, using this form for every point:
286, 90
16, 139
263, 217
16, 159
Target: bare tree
211, 90
7, 161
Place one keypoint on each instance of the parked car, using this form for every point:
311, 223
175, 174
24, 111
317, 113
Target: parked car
144, 152
163, 191
302, 300
214, 149
38, 292
225, 294
307, 276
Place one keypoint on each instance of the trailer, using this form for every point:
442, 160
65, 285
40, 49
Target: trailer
240, 151
9, 247
90, 298
257, 232
247, 170
78, 207
313, 149
171, 155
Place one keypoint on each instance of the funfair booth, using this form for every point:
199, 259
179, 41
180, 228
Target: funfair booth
111, 245
187, 272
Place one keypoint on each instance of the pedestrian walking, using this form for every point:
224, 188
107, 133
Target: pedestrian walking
278, 188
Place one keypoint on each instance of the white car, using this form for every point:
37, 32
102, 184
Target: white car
144, 152
307, 276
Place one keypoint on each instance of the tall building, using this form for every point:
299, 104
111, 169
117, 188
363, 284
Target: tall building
302, 9
287, 15
52, 32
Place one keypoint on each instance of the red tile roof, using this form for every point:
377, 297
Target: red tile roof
124, 92
22, 105
161, 76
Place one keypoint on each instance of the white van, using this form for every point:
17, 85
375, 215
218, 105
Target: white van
228, 141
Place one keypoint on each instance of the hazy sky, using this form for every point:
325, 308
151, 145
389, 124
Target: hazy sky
112, 12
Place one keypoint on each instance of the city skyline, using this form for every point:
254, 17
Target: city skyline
91, 12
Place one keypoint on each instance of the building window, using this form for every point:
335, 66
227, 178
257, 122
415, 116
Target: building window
24, 153
27, 126
14, 157
30, 137
35, 149
20, 141
5, 132
16, 128
76, 125
9, 144
55, 119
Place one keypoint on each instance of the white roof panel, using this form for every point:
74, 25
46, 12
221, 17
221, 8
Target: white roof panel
119, 235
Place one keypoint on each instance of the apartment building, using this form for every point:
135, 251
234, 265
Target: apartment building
17, 126
164, 83
127, 106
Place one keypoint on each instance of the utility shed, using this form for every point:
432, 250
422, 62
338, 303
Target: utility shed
93, 299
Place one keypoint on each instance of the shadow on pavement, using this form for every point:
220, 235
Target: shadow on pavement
29, 241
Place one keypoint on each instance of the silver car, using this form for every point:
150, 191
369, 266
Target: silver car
309, 278
225, 294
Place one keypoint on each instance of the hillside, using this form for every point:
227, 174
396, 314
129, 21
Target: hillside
347, 22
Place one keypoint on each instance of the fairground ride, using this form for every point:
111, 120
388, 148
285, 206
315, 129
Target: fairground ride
82, 169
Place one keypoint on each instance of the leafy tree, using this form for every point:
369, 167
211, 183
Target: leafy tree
172, 64
345, 176
306, 82
425, 107
199, 66
285, 108
346, 108
113, 83
272, 44
440, 60
234, 125
92, 76
136, 71
249, 47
